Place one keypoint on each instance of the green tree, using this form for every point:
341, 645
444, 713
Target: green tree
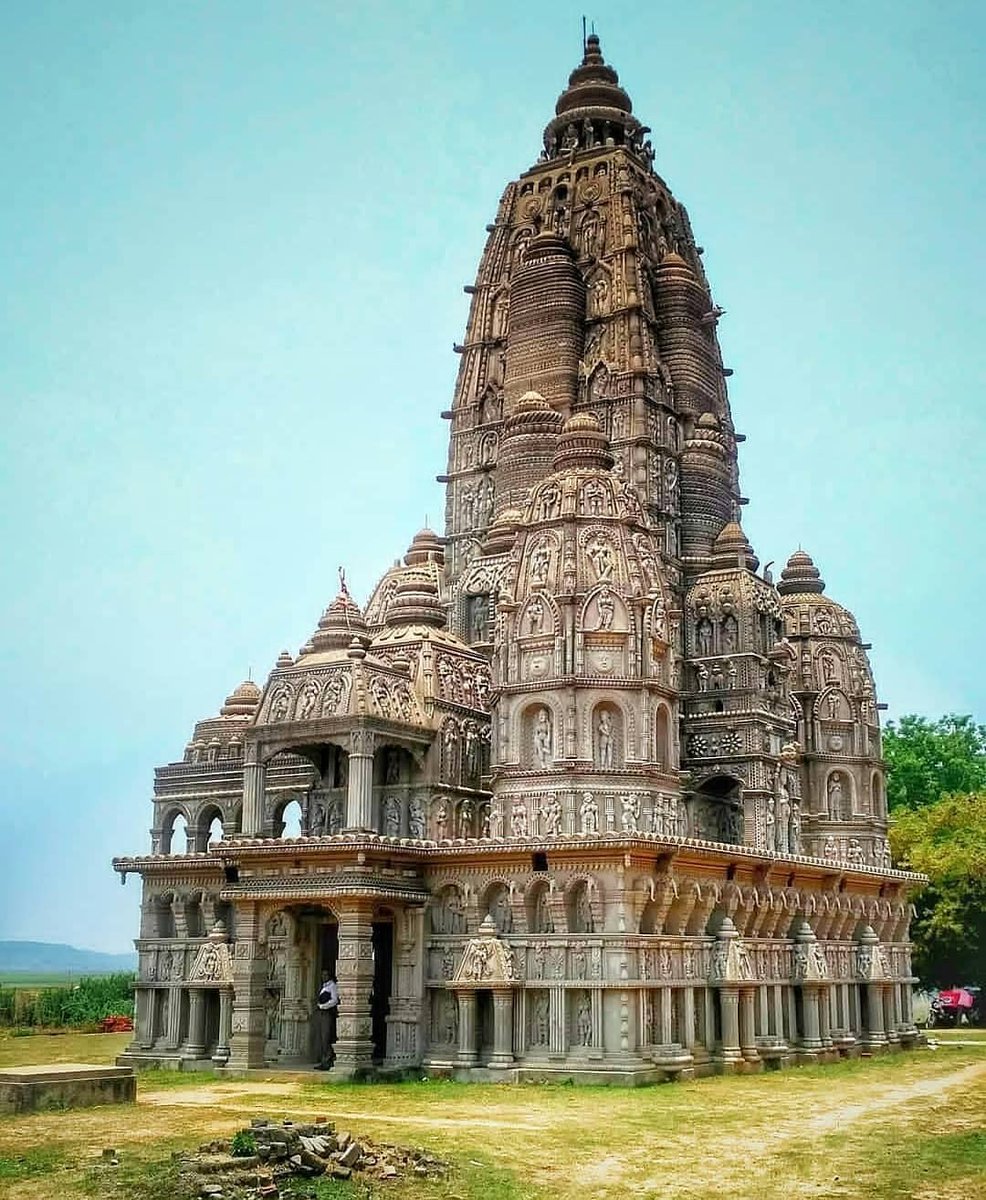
931, 759
945, 839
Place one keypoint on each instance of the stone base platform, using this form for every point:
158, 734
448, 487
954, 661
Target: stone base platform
65, 1085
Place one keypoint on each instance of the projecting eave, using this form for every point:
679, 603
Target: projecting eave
692, 852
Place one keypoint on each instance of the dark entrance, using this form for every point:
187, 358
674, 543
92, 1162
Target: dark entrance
484, 1025
383, 967
328, 949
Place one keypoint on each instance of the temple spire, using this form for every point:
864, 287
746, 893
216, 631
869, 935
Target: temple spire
594, 110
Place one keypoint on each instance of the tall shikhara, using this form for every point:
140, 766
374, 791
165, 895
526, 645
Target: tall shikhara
580, 790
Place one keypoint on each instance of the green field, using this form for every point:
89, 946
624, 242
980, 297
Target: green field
31, 981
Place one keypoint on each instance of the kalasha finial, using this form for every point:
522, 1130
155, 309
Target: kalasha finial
342, 581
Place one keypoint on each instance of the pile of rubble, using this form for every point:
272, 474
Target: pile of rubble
265, 1159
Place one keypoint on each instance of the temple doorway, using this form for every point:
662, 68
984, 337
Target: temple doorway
484, 1026
383, 967
328, 948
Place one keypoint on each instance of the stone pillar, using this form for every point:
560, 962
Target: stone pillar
889, 1015
730, 1052
468, 1051
143, 1019
875, 1035
710, 1024
747, 1024
824, 1016
597, 1023
220, 1055
249, 1019
359, 797
195, 1043
354, 1028
763, 1010
558, 1024
793, 1032
666, 1034
503, 1028
254, 788
811, 1040
688, 1018
173, 1037
778, 991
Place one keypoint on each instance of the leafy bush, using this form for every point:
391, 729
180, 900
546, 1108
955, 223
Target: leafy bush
243, 1144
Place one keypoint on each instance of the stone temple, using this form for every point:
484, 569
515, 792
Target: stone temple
581, 792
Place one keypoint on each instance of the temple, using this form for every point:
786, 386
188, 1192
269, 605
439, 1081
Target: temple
581, 792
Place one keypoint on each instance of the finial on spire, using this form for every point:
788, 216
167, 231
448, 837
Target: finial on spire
342, 581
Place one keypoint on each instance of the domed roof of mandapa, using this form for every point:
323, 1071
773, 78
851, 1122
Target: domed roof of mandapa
242, 701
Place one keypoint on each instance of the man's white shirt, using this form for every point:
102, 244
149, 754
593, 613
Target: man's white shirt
328, 996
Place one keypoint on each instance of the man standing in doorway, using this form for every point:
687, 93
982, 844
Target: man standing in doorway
326, 1011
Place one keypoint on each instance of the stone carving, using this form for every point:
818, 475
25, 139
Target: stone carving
540, 563
392, 817
605, 607
212, 964
588, 814
416, 820
535, 616
543, 745
332, 695
630, 812
551, 817
600, 555
518, 818
605, 755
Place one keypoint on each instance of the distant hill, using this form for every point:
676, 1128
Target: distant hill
50, 958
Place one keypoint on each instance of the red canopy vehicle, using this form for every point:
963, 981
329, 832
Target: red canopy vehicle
954, 1005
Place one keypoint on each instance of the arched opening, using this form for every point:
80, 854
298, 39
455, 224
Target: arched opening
288, 819
663, 746
447, 913
539, 919
717, 810
174, 833
194, 923
208, 827
496, 902
876, 791
164, 917
578, 909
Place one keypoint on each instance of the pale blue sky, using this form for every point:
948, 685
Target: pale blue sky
234, 238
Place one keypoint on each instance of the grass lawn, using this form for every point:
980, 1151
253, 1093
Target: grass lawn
904, 1126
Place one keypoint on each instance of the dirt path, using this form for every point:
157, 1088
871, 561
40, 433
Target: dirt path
846, 1114
618, 1175
230, 1097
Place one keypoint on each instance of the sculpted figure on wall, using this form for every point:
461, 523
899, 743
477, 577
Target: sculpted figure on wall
549, 502
606, 608
551, 817
589, 814
542, 742
416, 820
630, 816
392, 817
540, 561
836, 797
605, 751
600, 554
535, 616
518, 818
